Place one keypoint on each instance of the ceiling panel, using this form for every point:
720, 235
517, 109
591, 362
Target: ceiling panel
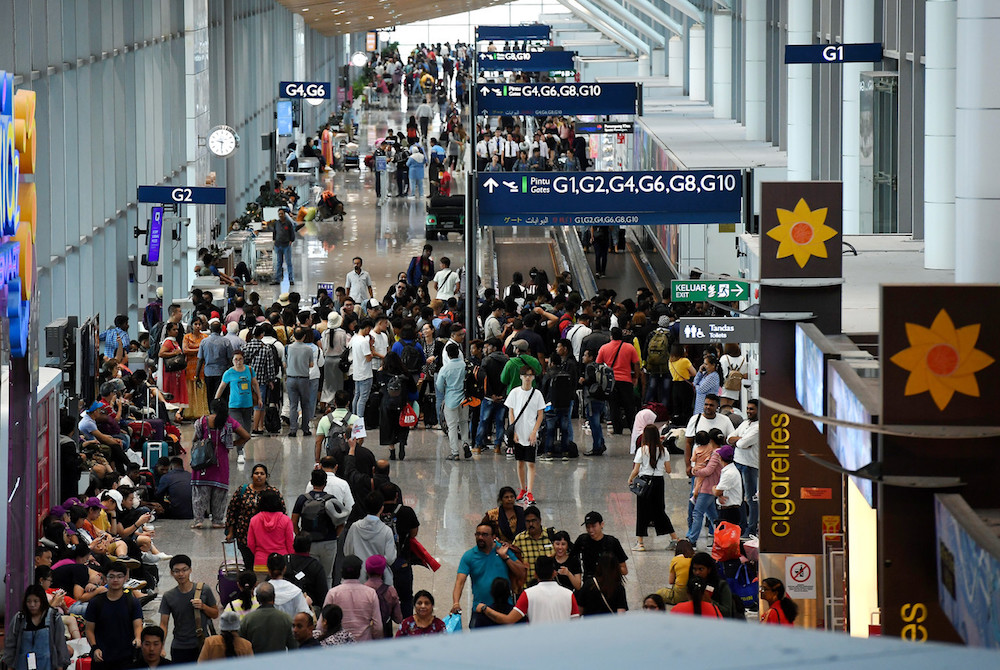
338, 17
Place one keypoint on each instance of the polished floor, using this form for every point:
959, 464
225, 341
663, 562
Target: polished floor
448, 497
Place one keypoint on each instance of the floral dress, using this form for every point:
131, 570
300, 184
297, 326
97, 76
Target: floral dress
409, 627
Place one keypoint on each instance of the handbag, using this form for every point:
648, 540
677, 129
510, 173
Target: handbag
640, 486
203, 452
175, 363
509, 433
408, 417
734, 379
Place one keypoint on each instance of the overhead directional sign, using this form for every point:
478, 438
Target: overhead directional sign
609, 198
526, 61
833, 53
682, 290
184, 195
304, 89
607, 128
535, 31
556, 99
705, 330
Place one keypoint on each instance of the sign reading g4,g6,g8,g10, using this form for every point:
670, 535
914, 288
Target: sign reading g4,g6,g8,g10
18, 210
609, 198
556, 99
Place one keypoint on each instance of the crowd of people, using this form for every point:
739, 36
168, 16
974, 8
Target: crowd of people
353, 373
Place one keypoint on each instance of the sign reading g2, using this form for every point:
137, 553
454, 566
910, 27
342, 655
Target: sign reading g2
183, 195
18, 205
304, 89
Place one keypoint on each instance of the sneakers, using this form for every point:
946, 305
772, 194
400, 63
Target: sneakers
402, 452
467, 451
128, 562
241, 459
392, 454
545, 457
638, 546
453, 457
529, 498
135, 584
306, 432
672, 545
293, 433
163, 557
520, 495
565, 458
594, 453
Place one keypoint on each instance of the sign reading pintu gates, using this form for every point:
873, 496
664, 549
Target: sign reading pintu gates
535, 31
556, 99
18, 211
526, 61
609, 198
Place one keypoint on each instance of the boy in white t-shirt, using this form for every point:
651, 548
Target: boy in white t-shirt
526, 410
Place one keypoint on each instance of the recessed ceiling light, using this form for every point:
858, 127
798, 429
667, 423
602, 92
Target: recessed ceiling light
305, 9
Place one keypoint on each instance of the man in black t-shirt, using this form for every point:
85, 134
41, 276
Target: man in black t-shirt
114, 623
74, 579
590, 545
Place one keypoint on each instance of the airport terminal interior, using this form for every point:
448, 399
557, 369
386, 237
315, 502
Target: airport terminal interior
682, 305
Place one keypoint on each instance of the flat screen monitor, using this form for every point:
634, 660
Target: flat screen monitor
155, 236
284, 118
809, 378
853, 447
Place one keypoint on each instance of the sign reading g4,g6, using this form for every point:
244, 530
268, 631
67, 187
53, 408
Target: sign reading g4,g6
304, 89
18, 209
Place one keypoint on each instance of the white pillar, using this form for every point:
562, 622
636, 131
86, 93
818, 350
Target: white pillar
722, 64
939, 135
756, 74
658, 62
197, 103
675, 71
697, 67
859, 26
643, 66
799, 96
977, 143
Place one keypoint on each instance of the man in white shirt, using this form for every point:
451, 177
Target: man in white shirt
708, 419
546, 602
729, 492
445, 281
746, 439
359, 283
380, 343
577, 332
361, 358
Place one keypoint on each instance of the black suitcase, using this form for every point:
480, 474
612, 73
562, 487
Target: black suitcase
372, 410
272, 419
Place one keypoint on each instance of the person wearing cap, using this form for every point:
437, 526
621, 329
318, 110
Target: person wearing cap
333, 343
228, 642
511, 374
387, 597
88, 429
359, 283
729, 490
284, 236
590, 545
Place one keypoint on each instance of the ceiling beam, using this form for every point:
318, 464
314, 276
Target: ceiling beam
653, 36
658, 15
600, 20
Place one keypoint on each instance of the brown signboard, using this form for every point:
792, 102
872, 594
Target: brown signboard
940, 353
801, 226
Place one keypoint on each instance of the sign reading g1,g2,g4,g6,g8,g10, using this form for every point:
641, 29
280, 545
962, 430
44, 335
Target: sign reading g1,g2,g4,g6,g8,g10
609, 198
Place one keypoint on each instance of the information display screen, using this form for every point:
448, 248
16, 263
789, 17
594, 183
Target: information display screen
809, 375
853, 447
155, 236
284, 118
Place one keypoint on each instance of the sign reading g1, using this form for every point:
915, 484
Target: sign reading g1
304, 89
833, 53
183, 195
18, 210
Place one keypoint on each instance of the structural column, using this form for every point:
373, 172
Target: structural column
939, 135
977, 143
756, 75
722, 64
799, 96
696, 41
196, 112
859, 26
675, 53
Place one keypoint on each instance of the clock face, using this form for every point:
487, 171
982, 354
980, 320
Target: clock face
222, 141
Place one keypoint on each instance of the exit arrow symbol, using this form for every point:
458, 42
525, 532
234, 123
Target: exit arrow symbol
737, 289
491, 185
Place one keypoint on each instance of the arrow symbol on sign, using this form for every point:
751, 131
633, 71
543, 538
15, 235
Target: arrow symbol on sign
512, 185
484, 90
738, 290
491, 185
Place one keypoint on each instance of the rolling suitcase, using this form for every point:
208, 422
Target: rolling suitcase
229, 572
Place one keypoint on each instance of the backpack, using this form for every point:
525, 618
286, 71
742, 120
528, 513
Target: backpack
562, 390
277, 360
153, 353
385, 608
473, 389
394, 387
272, 419
412, 360
321, 515
604, 381
336, 436
658, 352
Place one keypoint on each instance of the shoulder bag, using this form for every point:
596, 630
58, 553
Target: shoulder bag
509, 433
734, 378
175, 363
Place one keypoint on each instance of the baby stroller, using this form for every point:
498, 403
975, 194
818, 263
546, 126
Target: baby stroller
329, 207
352, 158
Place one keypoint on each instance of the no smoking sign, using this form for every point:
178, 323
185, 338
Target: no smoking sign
800, 576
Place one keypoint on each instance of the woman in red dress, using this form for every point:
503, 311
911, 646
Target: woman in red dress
174, 383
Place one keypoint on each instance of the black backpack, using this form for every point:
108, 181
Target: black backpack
337, 435
562, 390
412, 360
394, 388
315, 518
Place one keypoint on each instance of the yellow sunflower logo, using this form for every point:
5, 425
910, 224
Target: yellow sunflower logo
942, 359
802, 233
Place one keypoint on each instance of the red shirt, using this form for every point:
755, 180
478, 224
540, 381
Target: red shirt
775, 615
622, 366
708, 609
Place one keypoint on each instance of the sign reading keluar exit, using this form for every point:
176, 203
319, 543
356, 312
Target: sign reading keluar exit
699, 291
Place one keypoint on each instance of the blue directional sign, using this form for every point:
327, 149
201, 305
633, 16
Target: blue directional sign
535, 31
304, 89
526, 61
833, 53
556, 99
605, 128
602, 198
183, 195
